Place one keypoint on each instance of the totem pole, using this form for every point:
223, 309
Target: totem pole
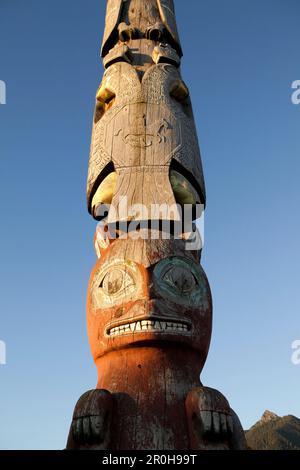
149, 306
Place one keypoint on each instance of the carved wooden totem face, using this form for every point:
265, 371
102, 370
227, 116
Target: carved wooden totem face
151, 19
149, 305
144, 134
141, 293
145, 138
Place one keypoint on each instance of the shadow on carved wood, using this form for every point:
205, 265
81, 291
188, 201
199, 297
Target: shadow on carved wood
149, 305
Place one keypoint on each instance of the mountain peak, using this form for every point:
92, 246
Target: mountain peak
273, 432
268, 416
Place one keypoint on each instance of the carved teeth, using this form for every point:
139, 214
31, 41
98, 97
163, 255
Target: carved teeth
148, 325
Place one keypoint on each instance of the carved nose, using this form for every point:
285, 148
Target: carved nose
140, 309
155, 307
148, 308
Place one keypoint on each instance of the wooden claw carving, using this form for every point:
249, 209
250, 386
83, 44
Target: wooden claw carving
211, 422
91, 424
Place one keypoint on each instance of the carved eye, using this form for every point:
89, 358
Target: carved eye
180, 279
117, 282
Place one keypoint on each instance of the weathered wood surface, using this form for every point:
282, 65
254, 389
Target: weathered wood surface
144, 130
142, 18
149, 127
149, 317
149, 305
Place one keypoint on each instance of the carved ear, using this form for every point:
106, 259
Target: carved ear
104, 100
179, 91
104, 96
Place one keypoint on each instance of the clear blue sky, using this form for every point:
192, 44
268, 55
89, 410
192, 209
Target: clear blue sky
240, 58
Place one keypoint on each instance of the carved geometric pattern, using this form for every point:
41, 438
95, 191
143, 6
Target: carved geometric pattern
145, 125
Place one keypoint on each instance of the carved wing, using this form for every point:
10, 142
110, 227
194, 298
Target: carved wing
167, 13
113, 12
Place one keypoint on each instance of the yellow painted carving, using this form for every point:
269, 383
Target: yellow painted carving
106, 190
183, 190
104, 97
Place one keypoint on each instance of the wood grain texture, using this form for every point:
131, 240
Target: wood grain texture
140, 15
143, 121
149, 304
149, 320
148, 127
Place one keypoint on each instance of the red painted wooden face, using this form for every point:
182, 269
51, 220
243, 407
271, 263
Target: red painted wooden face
142, 293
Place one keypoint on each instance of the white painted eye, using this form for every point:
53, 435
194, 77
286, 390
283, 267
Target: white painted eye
117, 282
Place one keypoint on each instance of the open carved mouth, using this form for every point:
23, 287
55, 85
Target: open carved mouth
142, 326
